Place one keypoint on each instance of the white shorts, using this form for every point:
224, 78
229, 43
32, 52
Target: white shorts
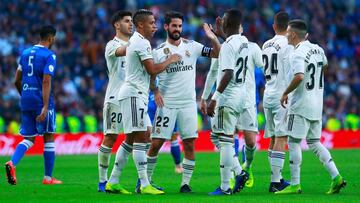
165, 119
299, 127
224, 120
248, 119
135, 115
275, 119
112, 119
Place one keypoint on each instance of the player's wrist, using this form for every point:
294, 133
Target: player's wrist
216, 95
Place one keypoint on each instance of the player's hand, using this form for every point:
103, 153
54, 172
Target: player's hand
42, 116
174, 58
209, 31
218, 28
203, 106
284, 100
211, 108
158, 99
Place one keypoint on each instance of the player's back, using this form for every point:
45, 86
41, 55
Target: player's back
275, 56
35, 62
137, 79
307, 99
115, 68
238, 53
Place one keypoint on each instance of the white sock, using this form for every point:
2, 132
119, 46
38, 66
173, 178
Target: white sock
226, 161
269, 156
277, 164
188, 166
215, 140
103, 162
121, 158
324, 156
151, 160
236, 165
139, 156
249, 155
295, 162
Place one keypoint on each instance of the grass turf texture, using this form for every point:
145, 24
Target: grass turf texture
80, 177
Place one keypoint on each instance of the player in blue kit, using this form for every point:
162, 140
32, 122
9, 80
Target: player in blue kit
33, 81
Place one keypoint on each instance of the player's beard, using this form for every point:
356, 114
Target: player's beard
175, 35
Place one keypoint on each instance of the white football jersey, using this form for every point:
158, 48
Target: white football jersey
210, 78
240, 55
137, 79
115, 69
177, 82
276, 52
307, 98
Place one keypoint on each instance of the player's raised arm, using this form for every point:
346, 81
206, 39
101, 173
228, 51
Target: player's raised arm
153, 68
214, 53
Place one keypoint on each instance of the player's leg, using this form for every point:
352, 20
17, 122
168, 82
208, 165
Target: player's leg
176, 152
250, 128
28, 131
187, 124
313, 141
269, 130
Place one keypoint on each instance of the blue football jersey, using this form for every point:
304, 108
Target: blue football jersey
35, 62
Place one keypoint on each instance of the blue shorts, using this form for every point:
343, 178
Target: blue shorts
29, 127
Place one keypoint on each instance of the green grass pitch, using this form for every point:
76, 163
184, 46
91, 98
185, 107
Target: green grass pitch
80, 177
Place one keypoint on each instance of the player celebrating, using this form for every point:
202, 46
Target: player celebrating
178, 105
33, 81
133, 93
276, 53
308, 62
115, 59
234, 99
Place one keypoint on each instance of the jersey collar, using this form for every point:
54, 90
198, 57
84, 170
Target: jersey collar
181, 42
39, 45
303, 42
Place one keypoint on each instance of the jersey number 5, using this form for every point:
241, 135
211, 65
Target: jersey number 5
30, 64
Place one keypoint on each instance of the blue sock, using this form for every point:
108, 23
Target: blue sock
236, 145
243, 155
175, 152
20, 150
49, 157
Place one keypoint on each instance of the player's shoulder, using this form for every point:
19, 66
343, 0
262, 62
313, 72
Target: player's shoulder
160, 46
188, 41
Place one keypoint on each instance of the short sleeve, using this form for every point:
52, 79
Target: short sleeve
143, 50
50, 65
111, 48
201, 50
297, 64
226, 57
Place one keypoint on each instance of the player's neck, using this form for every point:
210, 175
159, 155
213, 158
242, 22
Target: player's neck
142, 33
173, 42
297, 42
44, 44
122, 36
234, 32
280, 33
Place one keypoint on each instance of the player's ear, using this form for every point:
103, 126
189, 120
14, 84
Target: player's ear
166, 27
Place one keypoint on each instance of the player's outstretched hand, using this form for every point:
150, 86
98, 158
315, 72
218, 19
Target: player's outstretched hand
42, 116
203, 106
158, 99
211, 108
174, 58
284, 100
209, 31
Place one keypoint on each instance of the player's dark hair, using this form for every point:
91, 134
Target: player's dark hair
141, 15
119, 15
281, 20
299, 27
234, 19
47, 31
171, 15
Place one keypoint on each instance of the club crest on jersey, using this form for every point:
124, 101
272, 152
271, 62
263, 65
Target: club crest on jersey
187, 53
167, 51
158, 130
141, 124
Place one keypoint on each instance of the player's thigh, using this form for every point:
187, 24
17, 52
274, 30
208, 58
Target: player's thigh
28, 124
248, 119
47, 126
270, 125
187, 122
279, 121
315, 130
224, 121
112, 119
135, 116
297, 126
164, 123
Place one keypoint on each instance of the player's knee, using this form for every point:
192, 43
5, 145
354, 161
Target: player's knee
28, 141
48, 137
109, 140
188, 144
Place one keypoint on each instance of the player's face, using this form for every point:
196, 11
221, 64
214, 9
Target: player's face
174, 29
224, 20
125, 25
149, 27
290, 35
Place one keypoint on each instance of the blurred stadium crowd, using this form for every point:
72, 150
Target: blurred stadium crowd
84, 29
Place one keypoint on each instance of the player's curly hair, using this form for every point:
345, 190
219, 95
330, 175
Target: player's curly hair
119, 15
